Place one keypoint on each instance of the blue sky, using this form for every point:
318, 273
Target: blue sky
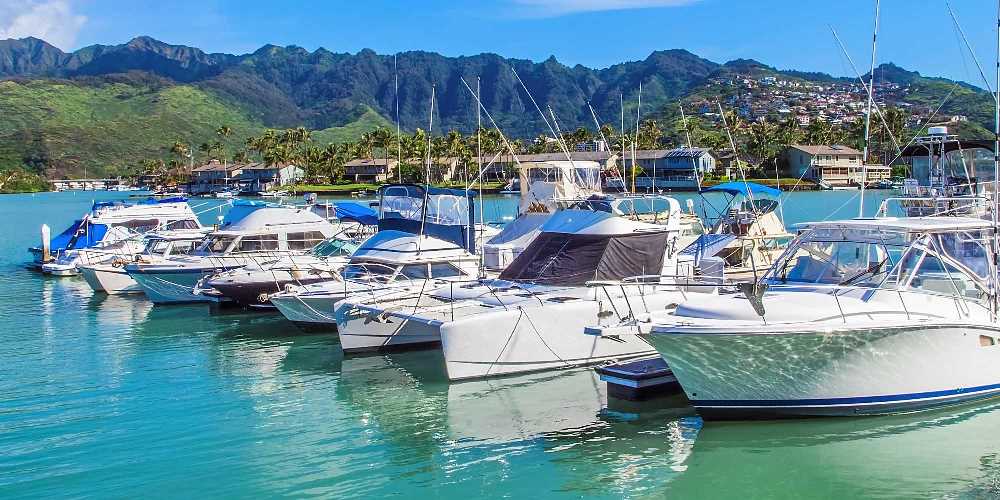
916, 34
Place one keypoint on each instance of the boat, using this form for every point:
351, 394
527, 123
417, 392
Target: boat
253, 285
281, 193
259, 233
425, 238
110, 229
751, 225
110, 277
226, 194
858, 317
530, 318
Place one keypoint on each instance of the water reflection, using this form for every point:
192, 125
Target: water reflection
945, 453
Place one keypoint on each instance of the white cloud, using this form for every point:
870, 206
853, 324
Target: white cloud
51, 20
549, 8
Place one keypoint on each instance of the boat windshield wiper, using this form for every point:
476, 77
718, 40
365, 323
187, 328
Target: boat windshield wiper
872, 270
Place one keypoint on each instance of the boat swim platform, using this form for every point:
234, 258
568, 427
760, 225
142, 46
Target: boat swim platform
639, 380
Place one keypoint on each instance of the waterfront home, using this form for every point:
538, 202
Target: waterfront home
258, 177
678, 168
372, 170
832, 165
214, 176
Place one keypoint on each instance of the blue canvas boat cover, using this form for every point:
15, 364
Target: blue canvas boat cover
708, 245
449, 214
78, 235
355, 212
745, 188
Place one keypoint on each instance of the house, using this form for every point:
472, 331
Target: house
678, 168
834, 165
372, 171
259, 177
214, 176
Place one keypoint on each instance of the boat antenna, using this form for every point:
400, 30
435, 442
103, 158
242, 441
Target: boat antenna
427, 170
739, 164
996, 167
637, 108
399, 136
479, 164
604, 139
868, 117
558, 137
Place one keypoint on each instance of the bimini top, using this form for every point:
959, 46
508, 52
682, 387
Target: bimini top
398, 247
577, 246
349, 211
905, 224
745, 188
277, 220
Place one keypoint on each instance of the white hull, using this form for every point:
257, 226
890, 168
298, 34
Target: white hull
171, 287
813, 370
307, 309
363, 329
109, 279
531, 339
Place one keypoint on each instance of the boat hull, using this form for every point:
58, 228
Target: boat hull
257, 295
174, 287
315, 310
814, 371
532, 339
109, 279
365, 330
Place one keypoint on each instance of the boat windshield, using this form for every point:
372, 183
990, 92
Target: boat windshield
217, 243
835, 256
334, 247
368, 271
157, 247
947, 263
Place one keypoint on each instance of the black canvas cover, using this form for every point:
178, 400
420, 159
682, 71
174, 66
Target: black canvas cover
566, 259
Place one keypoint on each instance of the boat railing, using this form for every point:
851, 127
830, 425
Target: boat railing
686, 285
951, 205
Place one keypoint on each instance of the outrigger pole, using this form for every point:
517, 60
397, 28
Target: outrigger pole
868, 116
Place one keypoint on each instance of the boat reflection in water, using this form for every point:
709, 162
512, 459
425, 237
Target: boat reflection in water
554, 429
951, 453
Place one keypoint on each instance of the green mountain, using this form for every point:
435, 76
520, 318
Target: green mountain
107, 106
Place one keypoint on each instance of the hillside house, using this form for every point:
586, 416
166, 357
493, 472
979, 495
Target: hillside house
214, 176
834, 165
258, 177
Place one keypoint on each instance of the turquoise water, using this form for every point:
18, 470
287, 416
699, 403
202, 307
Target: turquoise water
112, 397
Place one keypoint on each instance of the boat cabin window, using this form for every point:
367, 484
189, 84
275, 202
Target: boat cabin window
157, 247
445, 270
304, 241
183, 247
969, 249
218, 244
414, 272
260, 242
182, 224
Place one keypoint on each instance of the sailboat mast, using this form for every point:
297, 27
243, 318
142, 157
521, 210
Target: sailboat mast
399, 137
621, 100
996, 168
868, 116
638, 107
427, 170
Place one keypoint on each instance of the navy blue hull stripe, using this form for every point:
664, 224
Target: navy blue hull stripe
889, 398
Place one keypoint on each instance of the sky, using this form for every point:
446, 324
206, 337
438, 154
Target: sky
788, 34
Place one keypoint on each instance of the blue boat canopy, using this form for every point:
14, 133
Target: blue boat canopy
449, 214
745, 188
355, 212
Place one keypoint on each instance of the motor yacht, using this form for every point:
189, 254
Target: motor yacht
111, 229
253, 285
857, 317
259, 234
110, 277
532, 316
426, 237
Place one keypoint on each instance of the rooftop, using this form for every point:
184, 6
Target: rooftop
835, 149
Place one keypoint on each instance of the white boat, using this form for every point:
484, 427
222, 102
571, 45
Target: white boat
111, 278
281, 193
426, 237
858, 317
252, 286
752, 224
264, 234
110, 230
531, 318
226, 194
